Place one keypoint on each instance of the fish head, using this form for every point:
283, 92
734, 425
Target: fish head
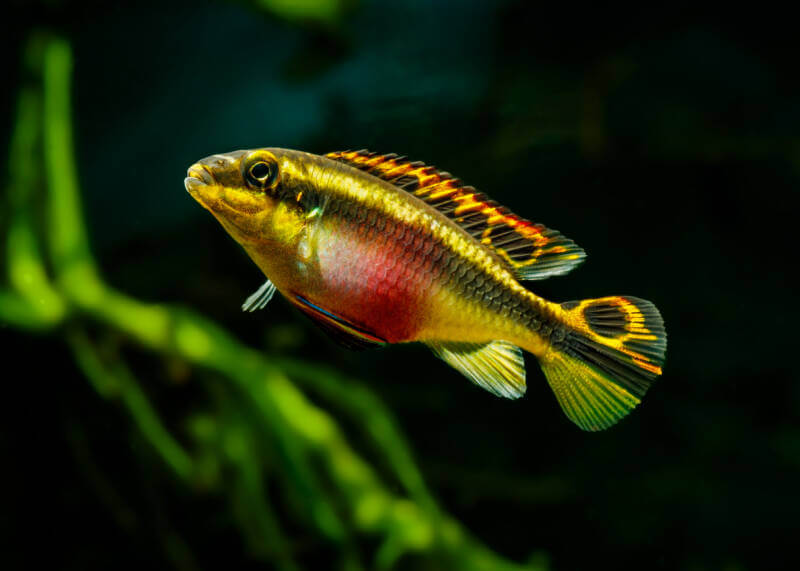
252, 193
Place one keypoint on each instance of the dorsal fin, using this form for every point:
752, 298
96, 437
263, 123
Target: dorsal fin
531, 251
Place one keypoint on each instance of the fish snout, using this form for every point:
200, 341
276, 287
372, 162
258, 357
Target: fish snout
222, 161
198, 176
212, 170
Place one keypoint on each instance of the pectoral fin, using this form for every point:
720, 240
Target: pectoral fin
498, 366
260, 298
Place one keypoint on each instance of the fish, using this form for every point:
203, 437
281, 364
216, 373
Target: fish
378, 249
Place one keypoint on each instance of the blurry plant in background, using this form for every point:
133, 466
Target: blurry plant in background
260, 437
324, 13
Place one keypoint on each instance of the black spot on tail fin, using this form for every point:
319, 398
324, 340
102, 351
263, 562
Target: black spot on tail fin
613, 352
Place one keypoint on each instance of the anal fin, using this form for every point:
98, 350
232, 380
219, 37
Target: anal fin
497, 367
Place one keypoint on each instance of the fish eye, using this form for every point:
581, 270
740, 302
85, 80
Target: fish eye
261, 174
260, 171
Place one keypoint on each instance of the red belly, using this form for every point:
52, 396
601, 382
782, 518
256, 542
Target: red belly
377, 280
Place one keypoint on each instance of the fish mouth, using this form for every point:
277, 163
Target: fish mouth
197, 177
205, 189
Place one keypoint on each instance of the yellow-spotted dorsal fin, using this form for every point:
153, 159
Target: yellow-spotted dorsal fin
497, 367
531, 251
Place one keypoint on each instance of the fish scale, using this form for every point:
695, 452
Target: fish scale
415, 276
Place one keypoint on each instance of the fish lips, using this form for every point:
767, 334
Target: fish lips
197, 178
202, 186
205, 189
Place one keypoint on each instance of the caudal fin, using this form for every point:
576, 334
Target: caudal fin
613, 351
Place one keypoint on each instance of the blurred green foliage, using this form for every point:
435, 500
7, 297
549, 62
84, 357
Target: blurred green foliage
261, 428
324, 12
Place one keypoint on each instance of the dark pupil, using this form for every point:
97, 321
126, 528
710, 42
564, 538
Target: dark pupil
260, 171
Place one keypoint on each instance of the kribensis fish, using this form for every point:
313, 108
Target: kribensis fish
377, 249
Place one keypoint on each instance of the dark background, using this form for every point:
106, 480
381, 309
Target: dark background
667, 144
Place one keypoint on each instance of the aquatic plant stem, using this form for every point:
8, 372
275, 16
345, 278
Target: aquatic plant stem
34, 303
116, 380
